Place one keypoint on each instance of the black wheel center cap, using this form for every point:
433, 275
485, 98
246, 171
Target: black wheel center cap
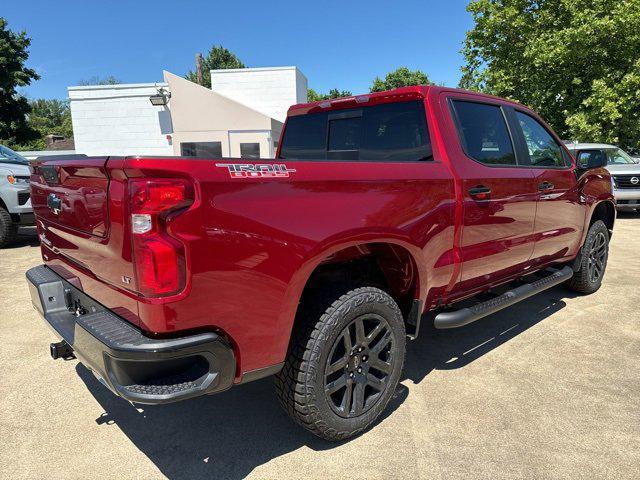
358, 359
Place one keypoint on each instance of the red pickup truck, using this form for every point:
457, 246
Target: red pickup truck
176, 277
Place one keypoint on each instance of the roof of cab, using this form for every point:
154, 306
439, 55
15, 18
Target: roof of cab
585, 146
399, 94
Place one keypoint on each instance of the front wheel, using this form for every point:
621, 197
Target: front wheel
8, 229
343, 366
593, 262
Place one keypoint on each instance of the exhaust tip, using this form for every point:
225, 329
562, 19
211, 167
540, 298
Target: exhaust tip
61, 350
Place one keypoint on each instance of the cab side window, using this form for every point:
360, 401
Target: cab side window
483, 133
543, 150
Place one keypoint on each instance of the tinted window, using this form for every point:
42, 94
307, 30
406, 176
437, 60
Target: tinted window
388, 132
344, 138
543, 150
396, 132
305, 137
618, 157
201, 149
9, 156
249, 150
483, 133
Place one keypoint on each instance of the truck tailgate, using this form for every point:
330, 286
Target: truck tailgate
79, 205
73, 194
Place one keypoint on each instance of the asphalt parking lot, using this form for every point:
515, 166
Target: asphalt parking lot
547, 389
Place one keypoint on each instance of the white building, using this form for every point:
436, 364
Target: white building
241, 116
119, 120
269, 90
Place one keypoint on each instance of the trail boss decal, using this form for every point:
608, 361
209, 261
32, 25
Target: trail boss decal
256, 170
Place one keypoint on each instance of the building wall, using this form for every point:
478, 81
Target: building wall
203, 115
119, 120
269, 90
263, 138
221, 136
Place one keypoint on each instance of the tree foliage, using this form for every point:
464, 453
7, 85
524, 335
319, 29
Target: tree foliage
577, 62
217, 58
313, 96
14, 51
98, 80
48, 117
402, 77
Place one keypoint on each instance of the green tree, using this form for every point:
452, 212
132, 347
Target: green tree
313, 96
402, 77
97, 80
577, 62
48, 117
217, 58
14, 108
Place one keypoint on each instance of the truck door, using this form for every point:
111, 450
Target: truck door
560, 214
498, 195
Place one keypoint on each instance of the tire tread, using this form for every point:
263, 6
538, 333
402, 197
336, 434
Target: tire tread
292, 383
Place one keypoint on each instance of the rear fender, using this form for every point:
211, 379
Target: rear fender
321, 255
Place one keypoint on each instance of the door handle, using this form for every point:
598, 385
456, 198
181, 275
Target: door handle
480, 192
544, 186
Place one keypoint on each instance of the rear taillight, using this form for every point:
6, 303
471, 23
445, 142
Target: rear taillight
159, 257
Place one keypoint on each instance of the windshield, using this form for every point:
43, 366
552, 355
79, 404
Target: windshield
9, 156
616, 156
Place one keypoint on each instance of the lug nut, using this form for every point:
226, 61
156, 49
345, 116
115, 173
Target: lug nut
364, 358
359, 370
350, 374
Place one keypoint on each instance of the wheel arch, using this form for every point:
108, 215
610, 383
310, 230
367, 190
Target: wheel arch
605, 211
390, 264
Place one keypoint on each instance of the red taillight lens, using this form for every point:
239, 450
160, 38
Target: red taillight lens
157, 266
159, 257
155, 196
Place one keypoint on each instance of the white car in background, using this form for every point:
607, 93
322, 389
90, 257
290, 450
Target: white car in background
625, 173
15, 200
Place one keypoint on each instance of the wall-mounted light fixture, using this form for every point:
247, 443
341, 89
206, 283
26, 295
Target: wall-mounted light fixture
161, 98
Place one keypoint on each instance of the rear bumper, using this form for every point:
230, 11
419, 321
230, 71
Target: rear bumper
136, 367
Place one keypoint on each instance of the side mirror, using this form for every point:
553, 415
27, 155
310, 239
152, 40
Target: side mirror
588, 159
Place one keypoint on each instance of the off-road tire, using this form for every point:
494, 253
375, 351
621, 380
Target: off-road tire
583, 280
320, 327
8, 229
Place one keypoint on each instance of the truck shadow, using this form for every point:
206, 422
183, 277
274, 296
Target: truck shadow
623, 214
451, 349
230, 434
27, 237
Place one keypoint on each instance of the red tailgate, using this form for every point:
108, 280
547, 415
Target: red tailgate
73, 194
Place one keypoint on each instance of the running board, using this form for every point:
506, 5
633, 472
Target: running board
468, 315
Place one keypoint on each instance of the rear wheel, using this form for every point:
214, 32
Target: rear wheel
593, 263
8, 229
343, 364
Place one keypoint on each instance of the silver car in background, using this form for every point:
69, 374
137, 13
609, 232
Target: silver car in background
625, 173
15, 195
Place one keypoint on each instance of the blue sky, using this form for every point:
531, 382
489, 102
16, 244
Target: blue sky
342, 44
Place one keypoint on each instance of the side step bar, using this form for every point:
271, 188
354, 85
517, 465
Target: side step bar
468, 315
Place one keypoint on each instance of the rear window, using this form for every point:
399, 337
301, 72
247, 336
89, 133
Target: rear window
483, 133
394, 132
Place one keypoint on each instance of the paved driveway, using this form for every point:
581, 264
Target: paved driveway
547, 389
